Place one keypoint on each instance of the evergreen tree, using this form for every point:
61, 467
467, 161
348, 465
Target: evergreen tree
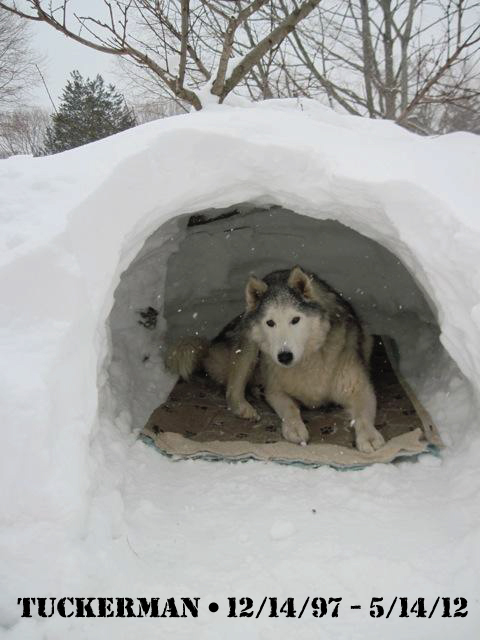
89, 111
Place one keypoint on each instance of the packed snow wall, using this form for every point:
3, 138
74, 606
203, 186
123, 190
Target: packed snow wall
193, 274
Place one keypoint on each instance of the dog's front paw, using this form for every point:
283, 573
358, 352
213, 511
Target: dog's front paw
295, 432
369, 439
245, 410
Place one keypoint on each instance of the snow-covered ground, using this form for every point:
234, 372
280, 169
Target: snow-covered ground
87, 510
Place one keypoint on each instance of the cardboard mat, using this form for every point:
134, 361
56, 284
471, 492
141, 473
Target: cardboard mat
196, 423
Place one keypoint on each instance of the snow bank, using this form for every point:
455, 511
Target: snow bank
76, 489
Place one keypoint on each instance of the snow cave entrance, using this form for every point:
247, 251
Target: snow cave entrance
189, 278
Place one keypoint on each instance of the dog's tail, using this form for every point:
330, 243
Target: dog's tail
186, 356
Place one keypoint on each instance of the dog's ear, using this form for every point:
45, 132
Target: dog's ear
254, 292
301, 282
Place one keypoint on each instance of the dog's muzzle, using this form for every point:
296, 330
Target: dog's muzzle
285, 357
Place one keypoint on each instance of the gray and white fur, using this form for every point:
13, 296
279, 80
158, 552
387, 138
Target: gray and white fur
301, 341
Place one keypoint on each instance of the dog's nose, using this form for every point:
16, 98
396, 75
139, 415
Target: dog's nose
285, 357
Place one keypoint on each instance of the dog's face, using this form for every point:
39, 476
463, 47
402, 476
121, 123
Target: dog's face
284, 328
285, 333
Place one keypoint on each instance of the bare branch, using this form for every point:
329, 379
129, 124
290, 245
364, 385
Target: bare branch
233, 23
274, 38
183, 42
473, 38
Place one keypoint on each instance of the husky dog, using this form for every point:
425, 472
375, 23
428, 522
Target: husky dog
302, 342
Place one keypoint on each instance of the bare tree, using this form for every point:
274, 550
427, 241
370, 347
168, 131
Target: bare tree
22, 131
460, 114
180, 51
17, 60
387, 58
156, 109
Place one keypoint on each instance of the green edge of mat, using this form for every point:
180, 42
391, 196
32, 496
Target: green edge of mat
430, 449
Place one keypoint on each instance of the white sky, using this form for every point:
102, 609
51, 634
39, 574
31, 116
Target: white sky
63, 55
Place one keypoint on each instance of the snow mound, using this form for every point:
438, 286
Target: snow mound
90, 233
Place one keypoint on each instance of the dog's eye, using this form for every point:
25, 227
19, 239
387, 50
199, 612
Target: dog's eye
270, 323
295, 319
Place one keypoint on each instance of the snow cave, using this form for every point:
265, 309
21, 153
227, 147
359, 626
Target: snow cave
189, 278
172, 216
188, 274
